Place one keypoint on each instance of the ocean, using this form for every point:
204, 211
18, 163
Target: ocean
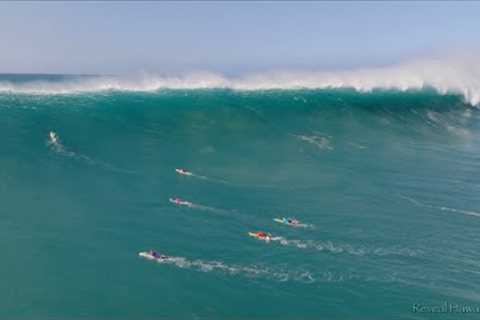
385, 179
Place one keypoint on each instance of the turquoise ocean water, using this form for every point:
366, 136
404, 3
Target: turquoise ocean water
389, 181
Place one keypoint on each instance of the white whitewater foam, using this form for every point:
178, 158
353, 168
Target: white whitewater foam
252, 271
346, 248
458, 75
275, 273
280, 273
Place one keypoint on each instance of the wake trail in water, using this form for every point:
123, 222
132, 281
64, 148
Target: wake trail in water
200, 177
183, 203
208, 208
357, 145
322, 142
442, 208
331, 247
466, 212
215, 180
276, 273
190, 174
56, 146
252, 271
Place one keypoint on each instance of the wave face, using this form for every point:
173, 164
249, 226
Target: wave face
389, 178
455, 76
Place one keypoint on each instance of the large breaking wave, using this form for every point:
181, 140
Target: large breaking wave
446, 76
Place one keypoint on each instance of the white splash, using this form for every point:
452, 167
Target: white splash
457, 75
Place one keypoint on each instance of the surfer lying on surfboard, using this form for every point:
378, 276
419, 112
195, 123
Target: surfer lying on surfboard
183, 172
53, 137
290, 222
261, 235
153, 255
180, 202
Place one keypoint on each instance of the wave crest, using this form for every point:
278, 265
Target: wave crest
456, 76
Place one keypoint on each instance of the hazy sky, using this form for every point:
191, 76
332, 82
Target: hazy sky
125, 37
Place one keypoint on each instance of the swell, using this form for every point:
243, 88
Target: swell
451, 76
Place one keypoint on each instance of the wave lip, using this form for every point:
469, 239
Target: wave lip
446, 76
